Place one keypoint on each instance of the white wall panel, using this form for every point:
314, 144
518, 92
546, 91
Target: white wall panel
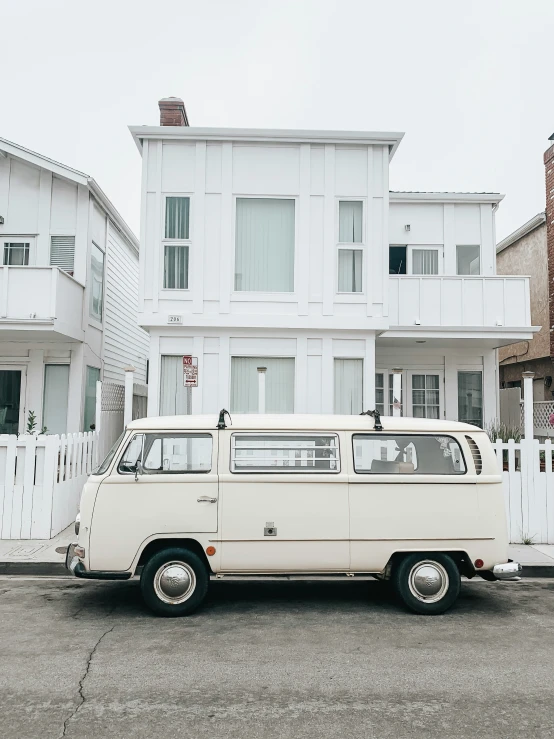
261, 347
178, 167
467, 223
425, 220
349, 347
266, 170
208, 383
313, 400
316, 248
213, 168
212, 246
22, 215
351, 172
317, 170
63, 215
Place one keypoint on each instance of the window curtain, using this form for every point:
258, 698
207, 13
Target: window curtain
425, 262
350, 221
264, 246
175, 398
470, 397
279, 384
177, 212
176, 267
56, 391
349, 386
350, 271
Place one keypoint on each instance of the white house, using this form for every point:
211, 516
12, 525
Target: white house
285, 250
68, 294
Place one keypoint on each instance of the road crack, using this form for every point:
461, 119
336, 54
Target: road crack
81, 694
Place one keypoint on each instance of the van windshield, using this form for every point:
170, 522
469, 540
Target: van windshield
108, 458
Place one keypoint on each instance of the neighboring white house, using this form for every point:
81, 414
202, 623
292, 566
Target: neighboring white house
285, 250
68, 294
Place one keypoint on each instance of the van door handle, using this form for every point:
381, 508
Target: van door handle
206, 499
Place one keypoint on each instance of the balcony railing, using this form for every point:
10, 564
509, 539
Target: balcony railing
41, 298
441, 300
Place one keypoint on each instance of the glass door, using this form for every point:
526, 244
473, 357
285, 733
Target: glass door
11, 406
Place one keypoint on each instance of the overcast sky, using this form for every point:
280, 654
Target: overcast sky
470, 82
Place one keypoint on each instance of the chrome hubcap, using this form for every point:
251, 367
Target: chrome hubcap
428, 581
174, 582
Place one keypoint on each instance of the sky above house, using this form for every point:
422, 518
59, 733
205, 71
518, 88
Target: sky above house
468, 81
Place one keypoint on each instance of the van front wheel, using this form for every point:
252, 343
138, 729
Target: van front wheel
427, 583
174, 582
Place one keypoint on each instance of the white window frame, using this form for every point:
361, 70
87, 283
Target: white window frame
424, 247
479, 274
176, 242
254, 295
352, 246
410, 388
17, 239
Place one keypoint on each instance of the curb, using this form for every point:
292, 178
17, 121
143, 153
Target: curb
57, 569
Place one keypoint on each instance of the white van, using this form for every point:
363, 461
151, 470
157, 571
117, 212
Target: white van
415, 501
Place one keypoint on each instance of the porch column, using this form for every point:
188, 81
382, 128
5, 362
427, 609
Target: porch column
128, 403
396, 391
528, 425
261, 389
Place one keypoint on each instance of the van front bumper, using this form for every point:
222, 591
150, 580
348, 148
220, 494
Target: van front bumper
507, 571
77, 568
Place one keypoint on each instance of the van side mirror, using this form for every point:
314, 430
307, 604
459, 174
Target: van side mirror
138, 469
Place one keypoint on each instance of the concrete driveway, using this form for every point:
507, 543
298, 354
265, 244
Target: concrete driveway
274, 659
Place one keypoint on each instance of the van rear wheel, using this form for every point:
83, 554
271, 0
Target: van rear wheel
427, 583
174, 582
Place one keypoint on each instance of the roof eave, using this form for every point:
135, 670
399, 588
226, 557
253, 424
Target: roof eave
522, 231
113, 213
446, 197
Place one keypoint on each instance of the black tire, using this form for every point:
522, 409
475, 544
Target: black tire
439, 584
179, 597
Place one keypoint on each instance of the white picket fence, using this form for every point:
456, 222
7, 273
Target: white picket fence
41, 479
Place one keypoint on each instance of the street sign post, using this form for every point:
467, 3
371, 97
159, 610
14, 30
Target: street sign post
190, 371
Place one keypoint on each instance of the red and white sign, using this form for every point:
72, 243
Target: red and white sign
190, 371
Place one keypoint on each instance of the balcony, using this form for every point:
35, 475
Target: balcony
40, 303
497, 308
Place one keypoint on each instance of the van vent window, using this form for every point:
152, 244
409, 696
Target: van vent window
476, 454
291, 453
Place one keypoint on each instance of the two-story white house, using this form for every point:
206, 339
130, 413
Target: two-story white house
285, 250
68, 294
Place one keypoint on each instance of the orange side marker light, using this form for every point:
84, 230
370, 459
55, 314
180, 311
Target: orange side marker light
210, 551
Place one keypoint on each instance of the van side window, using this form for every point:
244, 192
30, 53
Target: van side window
405, 454
285, 453
168, 453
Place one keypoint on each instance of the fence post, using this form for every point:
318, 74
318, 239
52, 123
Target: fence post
528, 450
128, 402
528, 404
396, 392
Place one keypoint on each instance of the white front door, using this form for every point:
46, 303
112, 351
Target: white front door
284, 503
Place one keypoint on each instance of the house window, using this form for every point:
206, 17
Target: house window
264, 245
56, 391
177, 218
468, 260
425, 261
176, 267
397, 260
384, 389
349, 386
279, 384
93, 375
425, 396
380, 392
350, 270
96, 282
350, 221
470, 397
62, 253
16, 254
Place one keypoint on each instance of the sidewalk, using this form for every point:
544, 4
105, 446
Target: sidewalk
24, 557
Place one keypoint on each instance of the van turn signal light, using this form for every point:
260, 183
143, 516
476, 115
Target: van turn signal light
210, 551
479, 563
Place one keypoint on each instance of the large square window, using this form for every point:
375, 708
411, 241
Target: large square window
468, 260
264, 245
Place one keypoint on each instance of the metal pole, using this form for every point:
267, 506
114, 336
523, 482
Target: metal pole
396, 391
261, 389
128, 403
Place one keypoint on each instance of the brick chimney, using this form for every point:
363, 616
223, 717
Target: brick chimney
549, 211
172, 112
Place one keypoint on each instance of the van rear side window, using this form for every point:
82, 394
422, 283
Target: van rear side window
407, 454
285, 453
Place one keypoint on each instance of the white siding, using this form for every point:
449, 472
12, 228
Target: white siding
124, 342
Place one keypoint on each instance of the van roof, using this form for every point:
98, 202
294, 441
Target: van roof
294, 421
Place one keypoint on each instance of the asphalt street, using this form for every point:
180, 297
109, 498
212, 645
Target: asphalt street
86, 660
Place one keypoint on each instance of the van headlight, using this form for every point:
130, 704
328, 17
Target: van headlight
77, 523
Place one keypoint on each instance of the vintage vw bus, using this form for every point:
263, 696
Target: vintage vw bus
415, 501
